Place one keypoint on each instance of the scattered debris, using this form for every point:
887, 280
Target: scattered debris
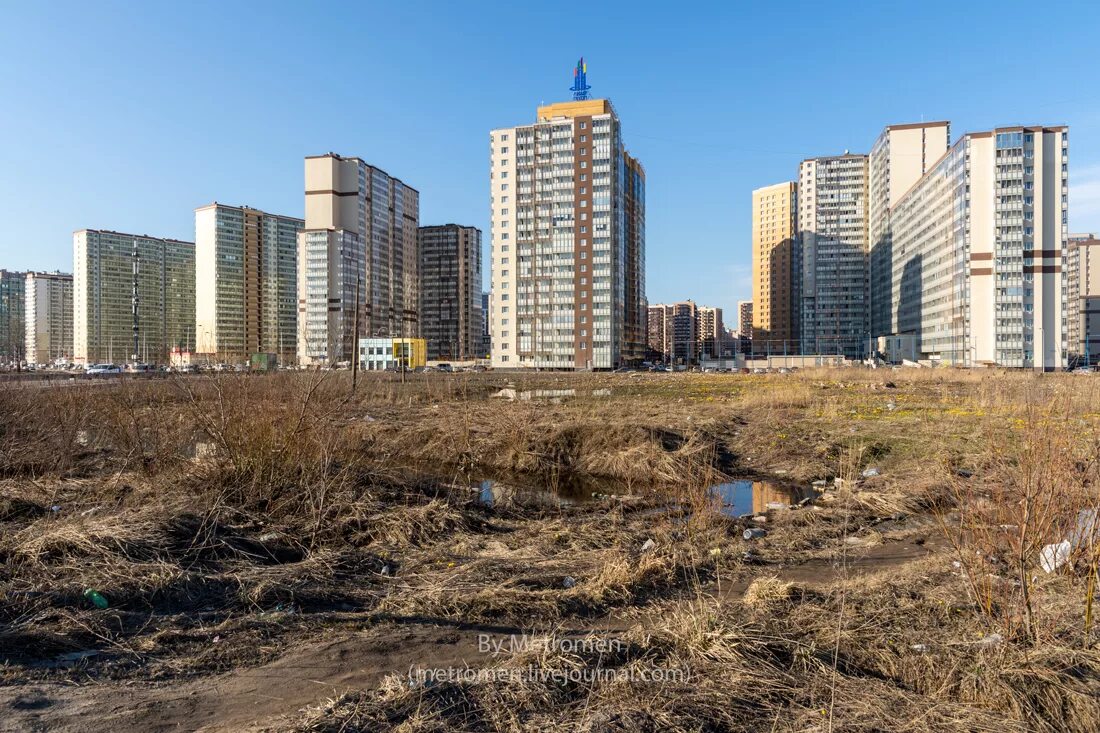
1053, 557
649, 545
922, 648
871, 472
569, 581
601, 392
760, 518
754, 533
778, 506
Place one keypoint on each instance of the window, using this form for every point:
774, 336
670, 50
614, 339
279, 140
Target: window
584, 125
504, 174
504, 151
584, 138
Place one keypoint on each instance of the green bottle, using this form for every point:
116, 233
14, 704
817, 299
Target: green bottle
94, 596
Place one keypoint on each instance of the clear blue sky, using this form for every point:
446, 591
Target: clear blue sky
129, 115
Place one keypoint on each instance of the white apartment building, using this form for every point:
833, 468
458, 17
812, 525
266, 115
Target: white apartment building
246, 284
568, 241
48, 317
103, 284
360, 234
899, 157
833, 235
977, 251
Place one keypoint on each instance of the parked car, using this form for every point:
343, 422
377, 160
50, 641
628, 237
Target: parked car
97, 369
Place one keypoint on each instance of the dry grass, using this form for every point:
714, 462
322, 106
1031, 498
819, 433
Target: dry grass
269, 508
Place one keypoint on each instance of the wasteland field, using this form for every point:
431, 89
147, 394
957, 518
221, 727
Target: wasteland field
844, 550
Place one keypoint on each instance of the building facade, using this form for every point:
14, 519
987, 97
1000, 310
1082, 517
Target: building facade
832, 224
1082, 285
745, 318
246, 284
899, 157
486, 347
711, 332
13, 302
360, 235
567, 241
977, 251
451, 314
49, 318
683, 333
776, 267
103, 289
381, 354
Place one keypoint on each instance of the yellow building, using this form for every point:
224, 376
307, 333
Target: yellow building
775, 267
380, 354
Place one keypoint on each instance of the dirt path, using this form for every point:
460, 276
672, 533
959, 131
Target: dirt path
254, 699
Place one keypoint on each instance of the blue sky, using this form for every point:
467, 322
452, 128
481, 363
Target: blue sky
127, 116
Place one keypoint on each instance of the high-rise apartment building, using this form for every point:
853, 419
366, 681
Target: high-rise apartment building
360, 236
246, 283
103, 287
832, 225
1082, 298
711, 332
13, 302
568, 240
451, 312
49, 317
899, 157
776, 267
745, 325
977, 251
683, 332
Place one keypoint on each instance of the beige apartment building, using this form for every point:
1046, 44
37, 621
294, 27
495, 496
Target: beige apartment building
832, 226
246, 283
49, 317
977, 251
1082, 303
776, 267
360, 235
103, 286
567, 241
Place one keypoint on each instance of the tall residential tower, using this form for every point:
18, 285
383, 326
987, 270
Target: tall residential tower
246, 284
103, 289
450, 291
360, 235
978, 246
776, 267
832, 224
568, 240
899, 157
49, 317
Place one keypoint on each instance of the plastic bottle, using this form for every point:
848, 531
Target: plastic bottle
94, 596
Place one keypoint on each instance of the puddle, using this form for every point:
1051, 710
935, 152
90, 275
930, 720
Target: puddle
755, 497
497, 492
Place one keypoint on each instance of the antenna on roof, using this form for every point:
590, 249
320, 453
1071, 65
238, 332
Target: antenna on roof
580, 81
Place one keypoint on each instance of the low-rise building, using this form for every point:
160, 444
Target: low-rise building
380, 354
